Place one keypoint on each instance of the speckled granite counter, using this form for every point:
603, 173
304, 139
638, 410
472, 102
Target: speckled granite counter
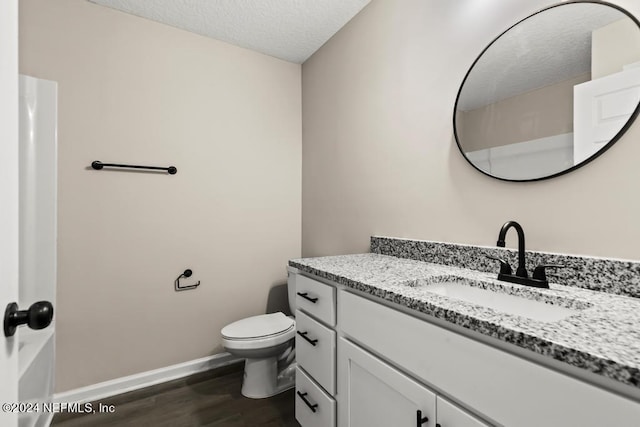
603, 337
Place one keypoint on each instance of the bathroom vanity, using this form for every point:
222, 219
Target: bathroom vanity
380, 343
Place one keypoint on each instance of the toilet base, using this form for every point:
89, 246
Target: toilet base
262, 379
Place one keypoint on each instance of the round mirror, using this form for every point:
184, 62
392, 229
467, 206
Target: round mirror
551, 93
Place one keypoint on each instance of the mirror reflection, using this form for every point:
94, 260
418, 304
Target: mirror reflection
550, 93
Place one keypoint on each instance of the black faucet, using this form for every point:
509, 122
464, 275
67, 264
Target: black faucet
522, 270
539, 279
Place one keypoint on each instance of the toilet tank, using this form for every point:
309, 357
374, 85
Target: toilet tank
291, 288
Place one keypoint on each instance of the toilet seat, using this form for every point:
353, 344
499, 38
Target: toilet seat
263, 331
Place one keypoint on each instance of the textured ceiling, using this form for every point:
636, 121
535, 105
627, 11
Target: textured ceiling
547, 48
288, 29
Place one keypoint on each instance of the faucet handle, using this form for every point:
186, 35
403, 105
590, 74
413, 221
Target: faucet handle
539, 272
505, 268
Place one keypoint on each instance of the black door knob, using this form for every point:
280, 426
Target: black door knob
38, 316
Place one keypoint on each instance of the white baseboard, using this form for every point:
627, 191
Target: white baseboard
144, 379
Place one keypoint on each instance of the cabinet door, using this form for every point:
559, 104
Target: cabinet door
452, 416
372, 393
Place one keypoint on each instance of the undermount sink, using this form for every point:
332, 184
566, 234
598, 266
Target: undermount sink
529, 303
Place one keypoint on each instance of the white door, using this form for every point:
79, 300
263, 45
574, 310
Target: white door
28, 171
372, 393
37, 261
601, 108
8, 200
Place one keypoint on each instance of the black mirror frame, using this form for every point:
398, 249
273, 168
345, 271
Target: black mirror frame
613, 140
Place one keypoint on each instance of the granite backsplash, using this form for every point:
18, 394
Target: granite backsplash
618, 277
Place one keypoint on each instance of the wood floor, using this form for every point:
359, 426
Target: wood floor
207, 399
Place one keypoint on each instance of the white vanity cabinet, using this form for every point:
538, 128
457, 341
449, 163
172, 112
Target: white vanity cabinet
378, 364
315, 353
372, 393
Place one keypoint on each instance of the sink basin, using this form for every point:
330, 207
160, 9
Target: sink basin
504, 299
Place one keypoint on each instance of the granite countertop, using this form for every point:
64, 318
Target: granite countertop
603, 336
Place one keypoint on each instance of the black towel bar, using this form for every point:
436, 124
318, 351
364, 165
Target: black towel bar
97, 165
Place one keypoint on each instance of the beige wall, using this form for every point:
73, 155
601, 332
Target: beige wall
379, 155
134, 91
614, 46
539, 113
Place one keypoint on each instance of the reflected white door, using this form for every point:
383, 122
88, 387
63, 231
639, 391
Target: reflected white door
601, 108
8, 199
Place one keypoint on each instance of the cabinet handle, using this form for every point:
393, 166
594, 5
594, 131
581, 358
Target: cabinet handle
309, 404
305, 296
420, 419
307, 339
438, 425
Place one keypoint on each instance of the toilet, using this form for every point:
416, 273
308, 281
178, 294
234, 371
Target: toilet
267, 343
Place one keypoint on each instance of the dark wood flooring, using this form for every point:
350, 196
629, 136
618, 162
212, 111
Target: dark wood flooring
210, 398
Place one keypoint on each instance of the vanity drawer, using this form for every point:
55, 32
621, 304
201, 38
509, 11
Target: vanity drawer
317, 299
316, 350
314, 407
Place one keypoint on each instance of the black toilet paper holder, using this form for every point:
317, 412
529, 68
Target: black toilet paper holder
186, 273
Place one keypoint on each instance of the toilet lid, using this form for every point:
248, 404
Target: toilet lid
257, 326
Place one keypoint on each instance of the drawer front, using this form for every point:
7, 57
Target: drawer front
317, 299
314, 407
316, 350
